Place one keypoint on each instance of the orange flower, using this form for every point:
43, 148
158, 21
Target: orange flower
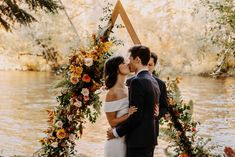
48, 130
86, 78
171, 101
61, 134
184, 155
51, 115
74, 80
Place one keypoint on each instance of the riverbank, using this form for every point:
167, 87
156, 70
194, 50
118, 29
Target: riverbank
29, 62
159, 151
25, 97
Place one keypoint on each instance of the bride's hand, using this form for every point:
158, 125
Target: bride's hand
132, 110
156, 110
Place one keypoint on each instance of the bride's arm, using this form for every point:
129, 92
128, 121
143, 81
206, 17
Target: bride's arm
114, 121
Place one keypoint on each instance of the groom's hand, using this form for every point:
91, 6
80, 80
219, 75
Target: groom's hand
110, 134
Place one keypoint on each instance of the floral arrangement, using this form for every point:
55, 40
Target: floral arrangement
182, 129
79, 99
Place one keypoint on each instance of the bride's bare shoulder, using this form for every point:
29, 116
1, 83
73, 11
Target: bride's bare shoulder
111, 96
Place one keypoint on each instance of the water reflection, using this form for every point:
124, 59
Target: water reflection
24, 97
214, 107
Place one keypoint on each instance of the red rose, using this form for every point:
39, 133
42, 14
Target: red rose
86, 78
86, 98
193, 129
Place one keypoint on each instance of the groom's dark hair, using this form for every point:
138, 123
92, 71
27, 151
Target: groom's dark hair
143, 52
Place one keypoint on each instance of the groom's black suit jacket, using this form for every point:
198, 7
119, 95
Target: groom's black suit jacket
140, 128
163, 105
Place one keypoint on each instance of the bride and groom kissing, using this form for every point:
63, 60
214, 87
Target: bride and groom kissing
133, 107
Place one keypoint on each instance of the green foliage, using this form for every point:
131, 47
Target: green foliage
222, 32
182, 130
11, 11
105, 26
79, 100
50, 53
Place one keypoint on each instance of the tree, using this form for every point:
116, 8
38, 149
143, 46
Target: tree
14, 11
221, 32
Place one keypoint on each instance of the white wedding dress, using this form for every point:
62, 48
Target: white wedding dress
117, 146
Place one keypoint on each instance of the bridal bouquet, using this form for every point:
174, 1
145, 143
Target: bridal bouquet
79, 99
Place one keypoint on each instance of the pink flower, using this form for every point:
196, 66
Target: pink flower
54, 144
78, 104
88, 62
72, 137
74, 80
86, 98
59, 124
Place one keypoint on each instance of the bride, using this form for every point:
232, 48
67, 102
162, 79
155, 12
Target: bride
116, 104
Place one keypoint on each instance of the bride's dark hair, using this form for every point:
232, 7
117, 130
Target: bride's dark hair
111, 68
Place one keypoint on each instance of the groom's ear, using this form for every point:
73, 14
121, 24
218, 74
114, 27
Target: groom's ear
138, 59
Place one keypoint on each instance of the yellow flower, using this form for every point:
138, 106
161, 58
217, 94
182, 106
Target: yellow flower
95, 57
43, 140
61, 134
106, 46
78, 71
171, 101
178, 80
71, 68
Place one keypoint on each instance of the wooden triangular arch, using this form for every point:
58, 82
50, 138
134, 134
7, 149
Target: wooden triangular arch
119, 9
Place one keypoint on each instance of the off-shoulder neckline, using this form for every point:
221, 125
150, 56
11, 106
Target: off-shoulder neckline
116, 100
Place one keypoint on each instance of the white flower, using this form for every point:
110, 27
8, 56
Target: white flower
85, 92
78, 104
70, 118
71, 101
98, 91
54, 144
72, 137
88, 62
59, 124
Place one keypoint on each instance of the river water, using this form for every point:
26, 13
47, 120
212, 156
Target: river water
25, 96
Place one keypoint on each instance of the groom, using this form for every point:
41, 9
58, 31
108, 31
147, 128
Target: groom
140, 129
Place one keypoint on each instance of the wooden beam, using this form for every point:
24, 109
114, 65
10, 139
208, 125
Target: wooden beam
128, 24
119, 9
